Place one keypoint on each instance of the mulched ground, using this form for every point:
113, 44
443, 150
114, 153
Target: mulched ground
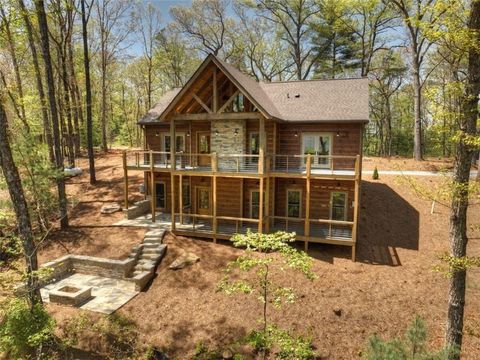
393, 279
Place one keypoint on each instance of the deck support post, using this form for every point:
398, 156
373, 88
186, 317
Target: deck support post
172, 181
152, 186
214, 195
180, 196
260, 205
307, 201
267, 204
125, 177
356, 206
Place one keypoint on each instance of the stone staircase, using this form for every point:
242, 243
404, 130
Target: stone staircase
148, 254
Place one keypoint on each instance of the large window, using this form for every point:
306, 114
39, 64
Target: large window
294, 203
238, 103
339, 206
179, 142
318, 145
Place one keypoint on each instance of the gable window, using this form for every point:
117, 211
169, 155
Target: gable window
318, 145
254, 145
294, 203
179, 142
238, 103
338, 203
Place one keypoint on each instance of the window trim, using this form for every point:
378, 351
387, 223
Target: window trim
187, 183
345, 206
164, 194
330, 148
250, 142
300, 204
250, 203
163, 135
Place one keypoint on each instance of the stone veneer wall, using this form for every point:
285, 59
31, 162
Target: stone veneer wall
226, 142
138, 209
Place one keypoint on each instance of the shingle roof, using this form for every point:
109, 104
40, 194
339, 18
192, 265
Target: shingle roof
342, 100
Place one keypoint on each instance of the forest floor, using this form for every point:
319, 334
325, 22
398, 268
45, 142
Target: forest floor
392, 280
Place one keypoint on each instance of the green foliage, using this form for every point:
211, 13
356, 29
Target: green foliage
23, 329
412, 347
375, 175
202, 352
451, 264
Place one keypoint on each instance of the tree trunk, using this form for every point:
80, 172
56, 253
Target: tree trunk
459, 206
38, 77
19, 203
103, 115
43, 27
417, 105
88, 91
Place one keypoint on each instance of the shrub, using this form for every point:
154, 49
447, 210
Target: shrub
411, 347
23, 329
375, 175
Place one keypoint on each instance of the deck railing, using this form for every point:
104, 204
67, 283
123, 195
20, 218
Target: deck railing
315, 165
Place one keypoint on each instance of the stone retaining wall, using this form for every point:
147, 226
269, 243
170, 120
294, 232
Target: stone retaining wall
138, 209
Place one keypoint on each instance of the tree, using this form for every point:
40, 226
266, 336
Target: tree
15, 189
45, 46
88, 92
418, 16
461, 178
293, 19
205, 25
262, 286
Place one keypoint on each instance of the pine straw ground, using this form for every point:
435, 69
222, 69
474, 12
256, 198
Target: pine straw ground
391, 282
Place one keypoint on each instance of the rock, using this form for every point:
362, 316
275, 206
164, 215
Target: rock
227, 355
337, 311
184, 260
110, 208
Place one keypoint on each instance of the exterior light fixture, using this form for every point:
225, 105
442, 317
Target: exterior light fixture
157, 133
188, 133
338, 133
235, 132
216, 132
296, 134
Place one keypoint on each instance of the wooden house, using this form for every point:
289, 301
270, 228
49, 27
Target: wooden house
226, 153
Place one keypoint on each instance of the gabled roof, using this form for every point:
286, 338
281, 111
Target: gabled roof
342, 100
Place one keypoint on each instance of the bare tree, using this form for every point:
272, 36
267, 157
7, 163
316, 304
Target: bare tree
15, 189
293, 18
45, 46
114, 27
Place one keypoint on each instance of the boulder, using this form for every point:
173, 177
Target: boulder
184, 260
110, 208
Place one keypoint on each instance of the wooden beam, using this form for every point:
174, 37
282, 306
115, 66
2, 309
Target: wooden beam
200, 101
125, 176
214, 200
172, 191
215, 92
180, 197
267, 205
173, 143
307, 201
261, 151
222, 116
152, 186
356, 204
260, 210
228, 102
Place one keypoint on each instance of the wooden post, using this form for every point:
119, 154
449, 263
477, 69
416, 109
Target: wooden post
267, 205
152, 186
260, 210
261, 151
180, 197
356, 206
241, 200
273, 199
307, 201
125, 176
214, 195
173, 145
172, 180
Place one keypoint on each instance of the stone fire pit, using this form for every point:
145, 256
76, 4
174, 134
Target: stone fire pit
70, 295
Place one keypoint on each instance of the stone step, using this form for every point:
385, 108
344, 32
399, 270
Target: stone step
152, 257
156, 250
155, 233
137, 272
151, 245
146, 267
152, 241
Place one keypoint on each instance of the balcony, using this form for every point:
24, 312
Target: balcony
315, 166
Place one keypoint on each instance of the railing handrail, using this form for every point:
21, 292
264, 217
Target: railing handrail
333, 222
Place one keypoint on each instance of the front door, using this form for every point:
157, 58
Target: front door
203, 149
160, 199
203, 201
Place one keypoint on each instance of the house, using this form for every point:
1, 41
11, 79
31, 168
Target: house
226, 153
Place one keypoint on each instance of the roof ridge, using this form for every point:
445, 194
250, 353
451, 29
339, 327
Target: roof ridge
311, 80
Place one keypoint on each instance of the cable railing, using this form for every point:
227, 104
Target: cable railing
298, 164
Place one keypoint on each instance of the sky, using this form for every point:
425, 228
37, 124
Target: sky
165, 5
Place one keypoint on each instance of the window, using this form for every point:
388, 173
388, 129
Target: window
294, 202
203, 199
317, 144
160, 195
179, 142
255, 204
254, 146
238, 103
338, 205
186, 194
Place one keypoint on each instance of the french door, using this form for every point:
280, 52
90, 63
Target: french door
318, 145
